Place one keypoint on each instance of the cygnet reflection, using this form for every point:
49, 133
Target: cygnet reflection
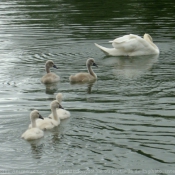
51, 88
89, 85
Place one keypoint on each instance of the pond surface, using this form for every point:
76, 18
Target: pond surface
121, 124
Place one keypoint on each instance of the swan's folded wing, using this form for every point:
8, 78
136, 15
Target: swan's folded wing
125, 38
133, 43
121, 39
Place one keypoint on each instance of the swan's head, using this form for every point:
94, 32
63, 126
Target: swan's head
91, 62
55, 104
147, 37
59, 97
35, 115
50, 63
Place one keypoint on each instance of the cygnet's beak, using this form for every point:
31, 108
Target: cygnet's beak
55, 66
59, 106
94, 64
41, 117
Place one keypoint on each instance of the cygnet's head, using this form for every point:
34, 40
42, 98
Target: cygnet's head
50, 63
91, 62
55, 104
59, 97
147, 36
35, 115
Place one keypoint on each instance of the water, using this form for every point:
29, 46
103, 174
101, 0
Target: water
121, 124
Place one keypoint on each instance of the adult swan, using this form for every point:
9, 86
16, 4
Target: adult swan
131, 45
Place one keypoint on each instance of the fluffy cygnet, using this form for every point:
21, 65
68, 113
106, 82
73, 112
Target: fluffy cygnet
49, 123
34, 132
61, 113
50, 77
85, 77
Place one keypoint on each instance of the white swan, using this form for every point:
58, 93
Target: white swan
85, 77
49, 123
34, 132
61, 113
50, 77
131, 45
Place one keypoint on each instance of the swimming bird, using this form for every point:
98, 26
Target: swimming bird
50, 77
34, 132
61, 113
131, 45
49, 123
85, 77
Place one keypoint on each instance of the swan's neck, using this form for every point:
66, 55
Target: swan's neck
91, 71
150, 41
33, 123
54, 112
47, 69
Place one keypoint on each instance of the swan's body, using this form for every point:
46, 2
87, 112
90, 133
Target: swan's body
34, 132
83, 76
61, 113
50, 77
131, 45
49, 123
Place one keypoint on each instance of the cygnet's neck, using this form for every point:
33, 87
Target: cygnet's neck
91, 71
33, 121
47, 69
54, 112
59, 99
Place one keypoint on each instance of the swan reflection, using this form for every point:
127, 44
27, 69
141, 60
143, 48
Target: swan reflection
127, 67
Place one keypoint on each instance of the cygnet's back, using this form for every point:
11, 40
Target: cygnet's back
50, 77
85, 76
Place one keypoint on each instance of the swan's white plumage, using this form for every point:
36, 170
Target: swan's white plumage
33, 133
62, 113
49, 123
131, 45
84, 76
50, 77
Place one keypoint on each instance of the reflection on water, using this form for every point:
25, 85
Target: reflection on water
51, 88
86, 84
128, 67
36, 149
124, 120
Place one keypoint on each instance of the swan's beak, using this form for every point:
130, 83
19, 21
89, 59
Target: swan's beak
59, 106
41, 117
55, 66
94, 64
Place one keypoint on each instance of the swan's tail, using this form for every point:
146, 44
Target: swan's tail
104, 49
108, 51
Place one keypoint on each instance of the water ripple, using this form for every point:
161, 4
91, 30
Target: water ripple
125, 120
